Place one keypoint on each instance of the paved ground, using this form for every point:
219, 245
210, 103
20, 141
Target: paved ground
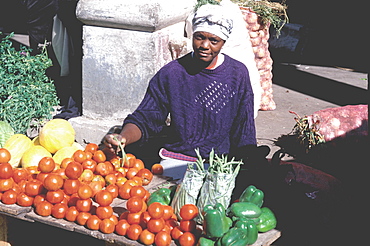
304, 89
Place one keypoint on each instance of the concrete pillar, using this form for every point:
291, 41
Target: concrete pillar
124, 44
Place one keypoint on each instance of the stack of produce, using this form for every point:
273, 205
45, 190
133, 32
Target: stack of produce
259, 36
84, 185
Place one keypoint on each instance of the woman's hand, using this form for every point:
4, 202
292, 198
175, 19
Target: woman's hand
114, 142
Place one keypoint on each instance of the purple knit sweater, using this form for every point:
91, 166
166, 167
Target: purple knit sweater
208, 108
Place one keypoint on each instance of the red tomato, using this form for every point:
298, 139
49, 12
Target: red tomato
144, 218
110, 179
9, 197
71, 214
59, 210
104, 212
176, 232
146, 175
188, 211
53, 182
172, 223
20, 174
134, 204
146, 237
24, 200
96, 186
131, 172
82, 218
6, 184
113, 189
103, 198
73, 170
162, 238
39, 198
79, 156
93, 223
134, 231
187, 225
138, 191
130, 160
89, 164
104, 168
187, 239
167, 212
91, 147
155, 225
139, 164
99, 178
46, 164
41, 176
99, 156
73, 200
106, 226
84, 191
121, 227
54, 196
61, 172
43, 208
155, 210
86, 176
133, 218
4, 155
71, 186
65, 162
84, 205
157, 169
6, 170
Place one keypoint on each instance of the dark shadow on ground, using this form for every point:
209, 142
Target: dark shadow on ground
342, 94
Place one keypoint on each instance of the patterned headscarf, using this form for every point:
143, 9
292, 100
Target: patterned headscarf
212, 18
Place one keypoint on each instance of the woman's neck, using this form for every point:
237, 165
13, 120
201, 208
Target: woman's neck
217, 61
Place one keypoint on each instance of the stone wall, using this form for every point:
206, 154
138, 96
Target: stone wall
124, 44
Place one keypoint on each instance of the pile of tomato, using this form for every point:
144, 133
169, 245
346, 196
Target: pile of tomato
82, 188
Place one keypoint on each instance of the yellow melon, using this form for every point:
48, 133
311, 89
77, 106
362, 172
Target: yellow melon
56, 134
33, 156
65, 152
17, 145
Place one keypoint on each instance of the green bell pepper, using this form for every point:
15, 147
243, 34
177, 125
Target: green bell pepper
246, 210
162, 195
203, 241
215, 223
253, 195
267, 220
234, 237
250, 227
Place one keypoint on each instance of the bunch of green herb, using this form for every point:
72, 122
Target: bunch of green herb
27, 94
269, 12
203, 2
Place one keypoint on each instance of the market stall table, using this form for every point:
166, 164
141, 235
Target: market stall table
119, 206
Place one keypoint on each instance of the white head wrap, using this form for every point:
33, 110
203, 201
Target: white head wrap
213, 19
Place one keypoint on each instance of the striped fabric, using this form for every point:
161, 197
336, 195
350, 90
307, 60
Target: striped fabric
163, 153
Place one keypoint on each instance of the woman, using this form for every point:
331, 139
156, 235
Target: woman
207, 94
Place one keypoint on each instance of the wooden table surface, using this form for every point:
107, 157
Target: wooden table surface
119, 206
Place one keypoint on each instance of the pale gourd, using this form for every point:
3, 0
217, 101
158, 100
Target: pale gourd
65, 152
33, 156
56, 134
17, 145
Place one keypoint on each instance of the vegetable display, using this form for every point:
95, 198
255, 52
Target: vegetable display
83, 185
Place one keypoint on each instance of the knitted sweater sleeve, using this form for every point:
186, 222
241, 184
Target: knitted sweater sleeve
151, 114
243, 131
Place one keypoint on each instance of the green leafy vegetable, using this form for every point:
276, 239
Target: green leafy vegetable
6, 131
27, 94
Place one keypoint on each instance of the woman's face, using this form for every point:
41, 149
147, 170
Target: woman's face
206, 46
